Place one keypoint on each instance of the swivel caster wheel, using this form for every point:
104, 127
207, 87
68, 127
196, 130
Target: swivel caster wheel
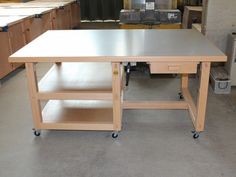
181, 97
37, 132
195, 134
114, 135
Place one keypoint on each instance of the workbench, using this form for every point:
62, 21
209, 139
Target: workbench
63, 14
67, 12
37, 20
84, 89
12, 38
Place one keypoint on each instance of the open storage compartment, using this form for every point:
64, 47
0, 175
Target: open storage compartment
79, 97
82, 115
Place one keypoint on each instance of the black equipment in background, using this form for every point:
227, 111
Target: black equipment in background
100, 9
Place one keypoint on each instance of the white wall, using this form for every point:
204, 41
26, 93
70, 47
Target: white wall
220, 20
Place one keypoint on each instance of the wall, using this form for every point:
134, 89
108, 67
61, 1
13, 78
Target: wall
219, 19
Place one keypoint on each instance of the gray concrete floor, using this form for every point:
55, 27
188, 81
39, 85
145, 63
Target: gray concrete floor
152, 143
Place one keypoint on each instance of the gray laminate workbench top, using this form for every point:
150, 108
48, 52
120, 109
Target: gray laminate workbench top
119, 45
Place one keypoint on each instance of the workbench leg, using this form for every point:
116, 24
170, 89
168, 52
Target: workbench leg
202, 96
184, 81
33, 90
116, 91
184, 85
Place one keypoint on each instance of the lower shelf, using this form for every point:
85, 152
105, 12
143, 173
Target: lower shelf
77, 115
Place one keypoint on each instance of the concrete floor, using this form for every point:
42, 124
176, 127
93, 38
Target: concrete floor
154, 143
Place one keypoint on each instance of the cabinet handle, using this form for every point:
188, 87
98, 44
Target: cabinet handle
173, 68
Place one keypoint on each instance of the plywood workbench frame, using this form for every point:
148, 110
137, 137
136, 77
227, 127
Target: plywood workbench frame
187, 49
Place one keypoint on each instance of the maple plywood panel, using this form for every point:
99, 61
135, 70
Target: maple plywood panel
77, 76
17, 40
5, 66
75, 14
37, 26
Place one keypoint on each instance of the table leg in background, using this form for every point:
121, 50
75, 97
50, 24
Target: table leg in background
184, 81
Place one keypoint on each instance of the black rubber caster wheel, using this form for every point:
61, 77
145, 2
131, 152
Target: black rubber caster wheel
37, 133
195, 134
114, 135
181, 97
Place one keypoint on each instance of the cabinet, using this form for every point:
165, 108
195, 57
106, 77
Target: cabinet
35, 26
20, 23
17, 40
12, 38
5, 51
37, 20
75, 14
3, 1
62, 14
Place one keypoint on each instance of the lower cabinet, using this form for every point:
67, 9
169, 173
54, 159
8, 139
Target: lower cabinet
5, 66
11, 39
